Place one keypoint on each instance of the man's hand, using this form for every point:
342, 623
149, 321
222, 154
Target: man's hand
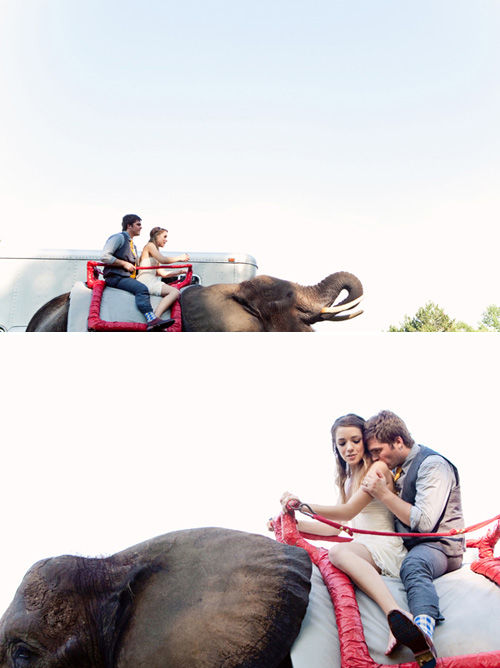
128, 266
375, 484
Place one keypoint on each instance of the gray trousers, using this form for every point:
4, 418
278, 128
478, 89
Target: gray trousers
420, 567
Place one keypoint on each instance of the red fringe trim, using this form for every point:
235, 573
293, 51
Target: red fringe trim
95, 324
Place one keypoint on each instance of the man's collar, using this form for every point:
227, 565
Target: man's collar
415, 449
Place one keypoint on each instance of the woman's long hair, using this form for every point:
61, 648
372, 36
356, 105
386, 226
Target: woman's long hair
344, 471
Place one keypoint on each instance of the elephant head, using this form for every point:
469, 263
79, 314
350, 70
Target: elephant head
202, 597
268, 304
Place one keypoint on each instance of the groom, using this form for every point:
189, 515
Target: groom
427, 501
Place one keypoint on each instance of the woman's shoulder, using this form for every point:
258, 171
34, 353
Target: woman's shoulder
146, 251
380, 466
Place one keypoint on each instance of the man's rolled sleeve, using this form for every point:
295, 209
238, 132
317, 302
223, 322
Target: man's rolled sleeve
434, 483
110, 247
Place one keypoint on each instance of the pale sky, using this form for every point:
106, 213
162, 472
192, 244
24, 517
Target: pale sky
317, 137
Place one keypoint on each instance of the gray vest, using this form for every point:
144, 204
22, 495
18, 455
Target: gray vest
123, 253
452, 516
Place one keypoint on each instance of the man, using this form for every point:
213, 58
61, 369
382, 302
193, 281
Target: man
428, 501
120, 255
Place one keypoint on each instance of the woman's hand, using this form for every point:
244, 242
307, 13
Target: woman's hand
289, 498
375, 484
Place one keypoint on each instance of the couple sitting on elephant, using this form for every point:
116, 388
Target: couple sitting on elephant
260, 304
120, 256
421, 496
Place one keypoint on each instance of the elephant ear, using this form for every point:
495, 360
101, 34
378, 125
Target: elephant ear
217, 598
271, 300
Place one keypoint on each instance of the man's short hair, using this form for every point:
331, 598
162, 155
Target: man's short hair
128, 220
386, 427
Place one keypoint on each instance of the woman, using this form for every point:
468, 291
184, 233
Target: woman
151, 257
366, 556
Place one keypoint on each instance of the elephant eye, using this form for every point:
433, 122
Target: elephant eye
23, 657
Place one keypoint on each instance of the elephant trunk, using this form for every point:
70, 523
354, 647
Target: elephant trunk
320, 297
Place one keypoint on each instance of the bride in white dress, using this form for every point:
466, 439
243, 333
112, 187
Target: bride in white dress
366, 557
151, 257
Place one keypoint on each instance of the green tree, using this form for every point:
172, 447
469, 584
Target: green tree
491, 319
431, 318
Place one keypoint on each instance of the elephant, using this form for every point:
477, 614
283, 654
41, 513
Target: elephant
220, 598
205, 597
261, 304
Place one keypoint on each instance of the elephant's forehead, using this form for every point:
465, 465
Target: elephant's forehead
17, 623
52, 616
42, 605
14, 618
270, 282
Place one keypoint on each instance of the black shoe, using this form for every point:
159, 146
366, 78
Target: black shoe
408, 633
158, 325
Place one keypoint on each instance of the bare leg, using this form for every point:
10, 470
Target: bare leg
170, 295
356, 561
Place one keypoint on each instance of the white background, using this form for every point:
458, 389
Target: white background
100, 453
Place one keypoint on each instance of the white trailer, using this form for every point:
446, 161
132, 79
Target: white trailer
31, 279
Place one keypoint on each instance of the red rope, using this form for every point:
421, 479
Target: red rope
351, 530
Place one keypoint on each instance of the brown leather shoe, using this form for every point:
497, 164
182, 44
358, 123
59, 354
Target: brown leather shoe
409, 634
158, 325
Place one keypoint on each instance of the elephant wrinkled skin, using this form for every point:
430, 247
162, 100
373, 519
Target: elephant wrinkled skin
261, 304
200, 598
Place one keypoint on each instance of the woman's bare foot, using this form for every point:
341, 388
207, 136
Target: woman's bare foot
392, 643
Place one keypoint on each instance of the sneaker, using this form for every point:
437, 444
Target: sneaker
412, 636
158, 325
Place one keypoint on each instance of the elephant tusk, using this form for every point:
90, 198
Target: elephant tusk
341, 307
344, 316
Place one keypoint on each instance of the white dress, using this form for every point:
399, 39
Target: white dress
149, 277
388, 552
